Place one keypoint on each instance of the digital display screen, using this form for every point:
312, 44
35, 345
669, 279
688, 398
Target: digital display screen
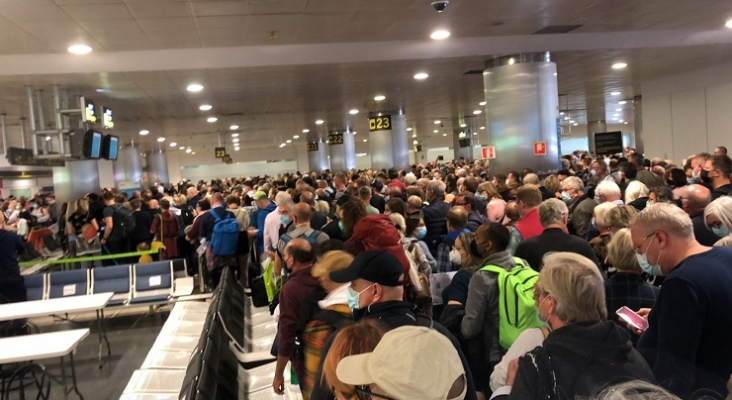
92, 147
110, 147
89, 112
107, 118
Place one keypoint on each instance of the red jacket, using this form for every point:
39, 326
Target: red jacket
530, 225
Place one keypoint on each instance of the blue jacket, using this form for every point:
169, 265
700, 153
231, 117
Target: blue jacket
261, 216
434, 216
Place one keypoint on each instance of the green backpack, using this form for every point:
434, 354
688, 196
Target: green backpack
516, 306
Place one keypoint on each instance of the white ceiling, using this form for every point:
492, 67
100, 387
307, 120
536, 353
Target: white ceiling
147, 51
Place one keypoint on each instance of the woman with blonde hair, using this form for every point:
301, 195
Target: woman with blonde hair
570, 295
718, 218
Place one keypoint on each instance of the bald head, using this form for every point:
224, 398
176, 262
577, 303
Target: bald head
457, 218
298, 252
695, 198
302, 213
414, 202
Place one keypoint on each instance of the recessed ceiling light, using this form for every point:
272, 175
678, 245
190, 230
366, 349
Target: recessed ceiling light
619, 65
48, 138
615, 119
194, 87
296, 137
621, 121
482, 103
283, 145
616, 115
188, 150
571, 121
305, 130
566, 118
622, 102
144, 132
440, 34
79, 49
161, 139
482, 128
561, 113
212, 119
415, 135
353, 111
511, 61
234, 135
475, 133
625, 123
420, 75
235, 140
102, 91
444, 134
236, 148
438, 122
476, 112
193, 153
436, 131
205, 107
409, 129
415, 142
354, 132
181, 148
365, 140
576, 124
319, 122
234, 127
463, 125
289, 141
618, 109
380, 97
728, 24
614, 93
173, 144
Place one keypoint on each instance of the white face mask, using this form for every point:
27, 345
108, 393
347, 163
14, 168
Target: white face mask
455, 256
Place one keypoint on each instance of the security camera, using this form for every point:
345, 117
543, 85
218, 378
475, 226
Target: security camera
440, 6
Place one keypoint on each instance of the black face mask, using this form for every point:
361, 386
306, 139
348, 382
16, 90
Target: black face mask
474, 250
704, 175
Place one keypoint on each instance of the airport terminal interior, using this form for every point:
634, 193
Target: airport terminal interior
365, 199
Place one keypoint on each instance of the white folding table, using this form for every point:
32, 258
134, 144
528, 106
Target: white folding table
62, 305
44, 346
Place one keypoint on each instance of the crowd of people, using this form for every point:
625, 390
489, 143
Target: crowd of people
453, 281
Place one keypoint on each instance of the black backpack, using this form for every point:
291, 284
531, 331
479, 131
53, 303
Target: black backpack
124, 223
186, 213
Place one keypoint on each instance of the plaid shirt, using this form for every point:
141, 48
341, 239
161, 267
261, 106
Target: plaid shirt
628, 289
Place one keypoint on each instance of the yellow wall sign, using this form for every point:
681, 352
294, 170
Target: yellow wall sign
220, 152
382, 123
335, 138
313, 146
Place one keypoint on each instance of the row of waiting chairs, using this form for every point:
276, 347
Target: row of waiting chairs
131, 284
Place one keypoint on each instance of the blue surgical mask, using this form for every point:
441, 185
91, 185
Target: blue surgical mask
386, 198
421, 232
650, 269
481, 197
353, 297
648, 203
285, 220
690, 181
593, 172
721, 230
566, 197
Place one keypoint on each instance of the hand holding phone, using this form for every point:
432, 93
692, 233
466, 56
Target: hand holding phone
632, 318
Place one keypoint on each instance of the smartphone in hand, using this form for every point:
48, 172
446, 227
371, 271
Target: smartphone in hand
633, 319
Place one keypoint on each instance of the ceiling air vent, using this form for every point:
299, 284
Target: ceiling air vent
554, 29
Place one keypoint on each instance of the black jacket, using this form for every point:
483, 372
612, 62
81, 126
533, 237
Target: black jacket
702, 234
393, 314
475, 220
318, 220
553, 240
434, 216
576, 351
378, 203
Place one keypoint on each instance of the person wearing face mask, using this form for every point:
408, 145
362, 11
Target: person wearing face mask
584, 351
298, 259
697, 165
580, 206
300, 215
718, 218
273, 222
694, 199
715, 174
376, 291
689, 328
448, 258
415, 232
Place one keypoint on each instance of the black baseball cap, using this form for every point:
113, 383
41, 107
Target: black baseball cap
376, 184
378, 266
343, 200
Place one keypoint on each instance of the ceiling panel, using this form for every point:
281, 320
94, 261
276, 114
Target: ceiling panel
158, 8
97, 11
220, 8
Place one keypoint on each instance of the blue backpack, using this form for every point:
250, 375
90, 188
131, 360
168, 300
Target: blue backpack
311, 238
225, 237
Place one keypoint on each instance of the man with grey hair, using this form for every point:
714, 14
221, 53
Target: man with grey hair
689, 329
694, 198
608, 192
553, 214
580, 206
434, 215
533, 179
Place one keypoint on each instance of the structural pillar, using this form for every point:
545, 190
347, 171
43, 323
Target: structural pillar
318, 156
522, 112
75, 179
637, 142
157, 167
128, 168
389, 140
593, 128
342, 149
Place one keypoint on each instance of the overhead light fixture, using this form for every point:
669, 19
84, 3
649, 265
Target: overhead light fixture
79, 49
616, 115
212, 119
205, 107
233, 127
619, 65
621, 121
463, 125
614, 93
728, 24
305, 130
296, 137
482, 128
365, 140
444, 134
161, 139
379, 97
615, 119
235, 140
194, 87
436, 131
283, 145
571, 121
561, 113
354, 132
173, 144
420, 75
236, 148
193, 153
482, 103
234, 135
319, 122
289, 141
622, 102
511, 61
476, 112
438, 122
618, 109
576, 124
566, 118
188, 150
48, 138
182, 148
101, 90
625, 123
353, 111
415, 135
409, 129
440, 34
144, 132
416, 142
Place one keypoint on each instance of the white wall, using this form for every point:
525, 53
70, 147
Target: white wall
24, 187
106, 173
687, 113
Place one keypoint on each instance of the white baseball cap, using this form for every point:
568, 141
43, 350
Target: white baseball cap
411, 362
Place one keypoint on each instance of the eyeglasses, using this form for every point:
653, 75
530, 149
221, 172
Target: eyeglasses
636, 248
364, 394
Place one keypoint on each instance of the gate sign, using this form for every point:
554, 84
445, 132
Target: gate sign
220, 152
382, 123
488, 152
539, 148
